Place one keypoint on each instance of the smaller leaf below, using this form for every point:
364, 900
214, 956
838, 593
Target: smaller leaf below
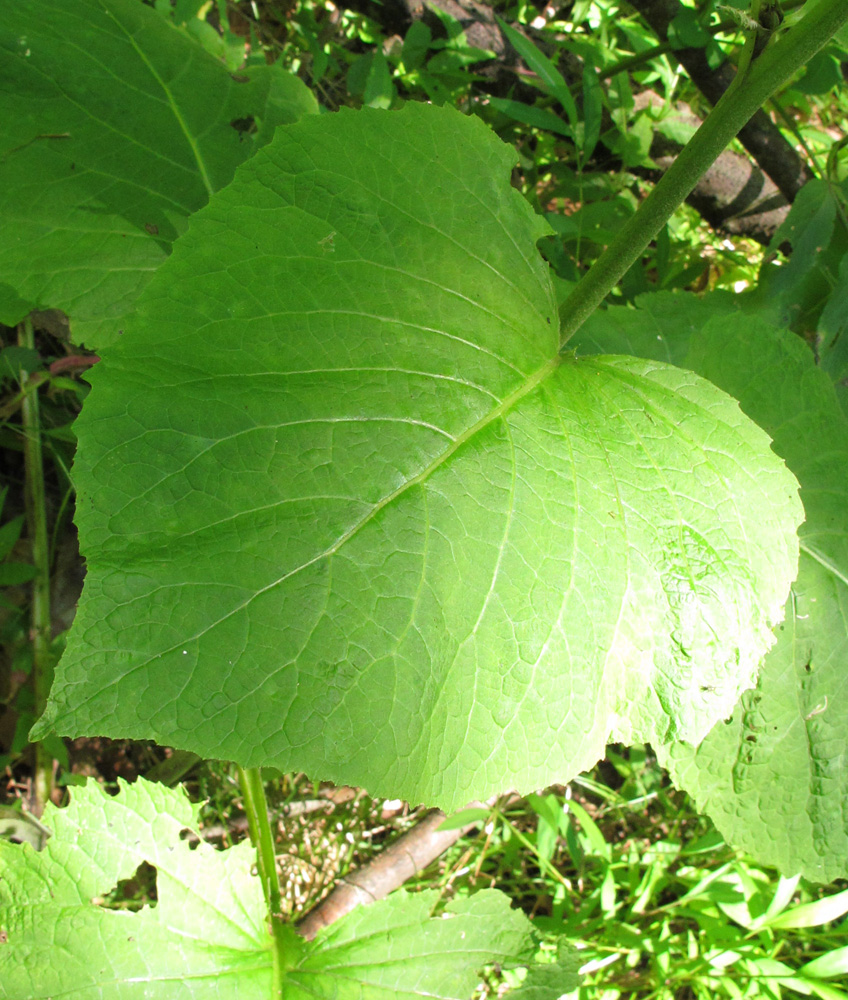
395, 949
204, 936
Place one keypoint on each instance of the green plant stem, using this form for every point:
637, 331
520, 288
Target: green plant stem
286, 941
36, 517
747, 53
747, 93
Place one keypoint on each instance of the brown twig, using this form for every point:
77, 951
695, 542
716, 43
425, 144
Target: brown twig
411, 852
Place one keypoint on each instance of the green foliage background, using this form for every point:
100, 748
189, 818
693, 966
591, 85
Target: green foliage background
349, 509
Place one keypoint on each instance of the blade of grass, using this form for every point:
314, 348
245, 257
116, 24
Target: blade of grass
550, 77
822, 911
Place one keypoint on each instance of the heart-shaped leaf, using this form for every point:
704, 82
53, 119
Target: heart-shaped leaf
347, 510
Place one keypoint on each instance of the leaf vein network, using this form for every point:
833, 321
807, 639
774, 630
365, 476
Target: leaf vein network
201, 165
419, 223
527, 386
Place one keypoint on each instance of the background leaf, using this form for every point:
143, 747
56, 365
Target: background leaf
107, 144
530, 115
774, 776
793, 292
550, 981
592, 111
347, 510
549, 77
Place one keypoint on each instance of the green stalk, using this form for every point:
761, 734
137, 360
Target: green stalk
745, 95
36, 517
286, 942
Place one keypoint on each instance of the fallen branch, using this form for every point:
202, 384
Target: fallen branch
396, 864
733, 195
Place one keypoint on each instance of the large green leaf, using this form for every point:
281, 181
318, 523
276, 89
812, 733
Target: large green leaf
114, 127
346, 509
774, 777
205, 935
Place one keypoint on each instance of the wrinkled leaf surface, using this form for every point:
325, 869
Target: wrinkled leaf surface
774, 777
346, 509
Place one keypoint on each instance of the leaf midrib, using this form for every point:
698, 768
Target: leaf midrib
522, 390
488, 418
201, 166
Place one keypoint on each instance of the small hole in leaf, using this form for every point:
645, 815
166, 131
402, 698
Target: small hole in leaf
133, 893
244, 126
191, 837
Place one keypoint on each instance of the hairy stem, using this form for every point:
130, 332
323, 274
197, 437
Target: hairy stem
36, 517
765, 75
286, 942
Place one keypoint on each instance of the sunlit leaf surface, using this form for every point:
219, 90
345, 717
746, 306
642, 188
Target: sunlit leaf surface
347, 510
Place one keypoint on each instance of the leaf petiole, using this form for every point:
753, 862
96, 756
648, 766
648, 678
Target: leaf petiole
285, 939
762, 78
